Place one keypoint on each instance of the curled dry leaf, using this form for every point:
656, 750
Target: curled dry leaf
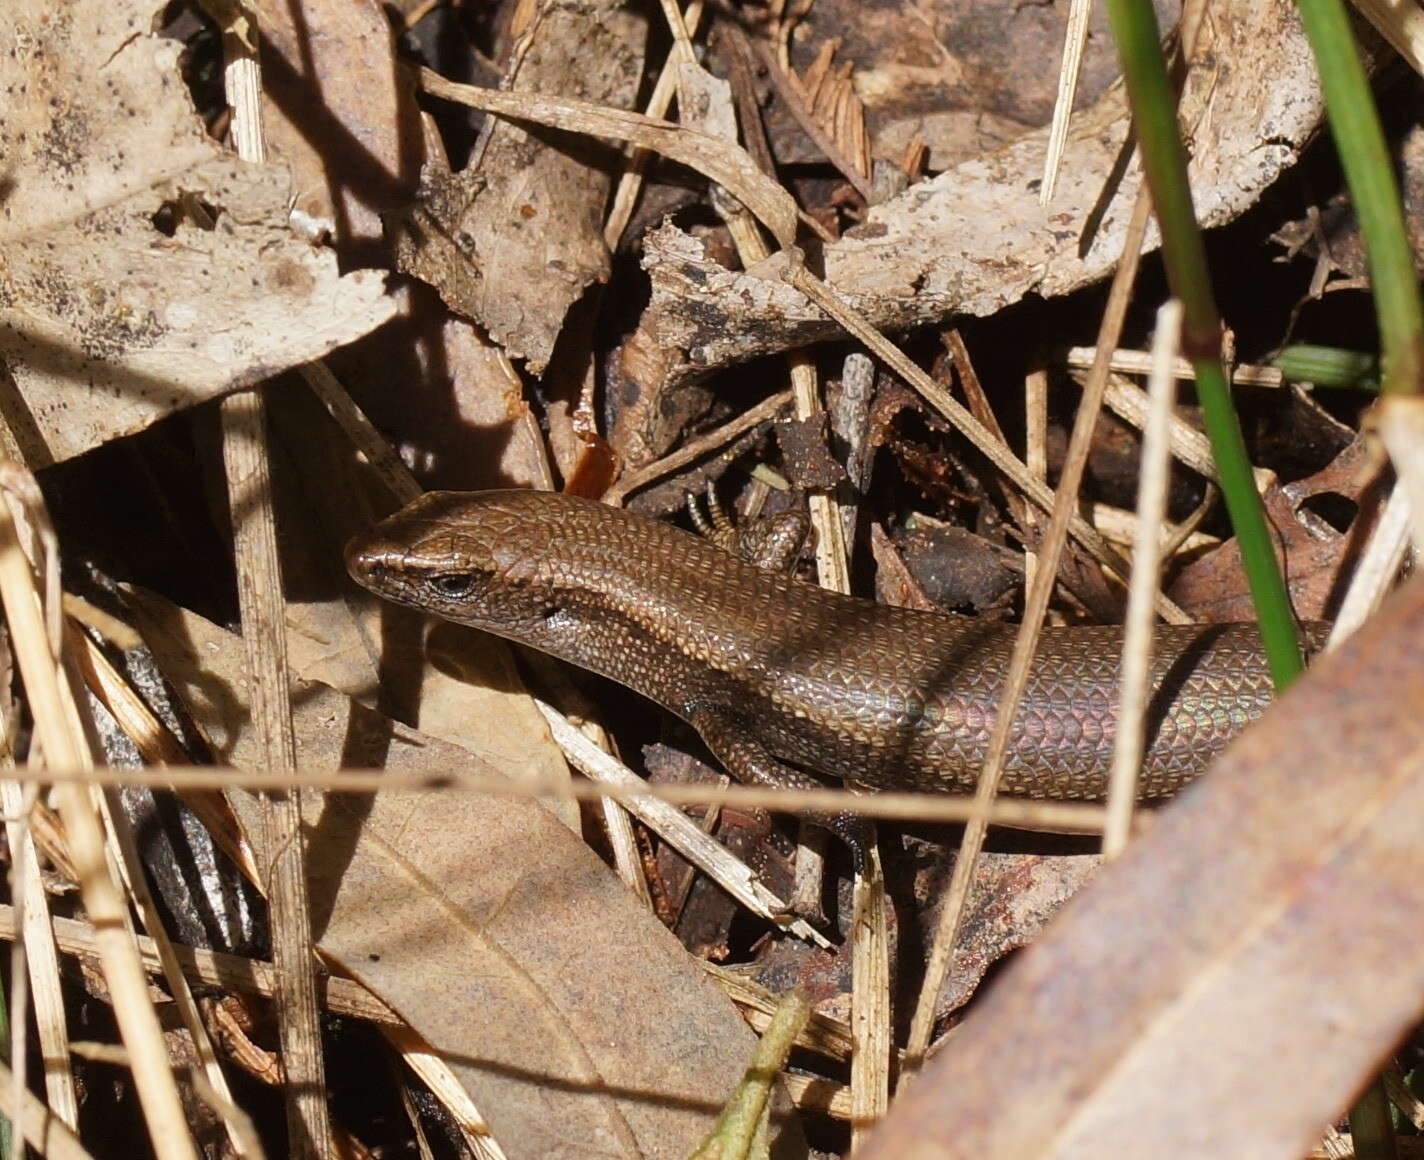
146, 268
1194, 999
975, 239
516, 238
1318, 557
964, 78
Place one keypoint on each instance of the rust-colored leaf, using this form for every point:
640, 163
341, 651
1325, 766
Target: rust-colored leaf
1227, 986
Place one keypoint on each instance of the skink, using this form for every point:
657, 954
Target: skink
781, 677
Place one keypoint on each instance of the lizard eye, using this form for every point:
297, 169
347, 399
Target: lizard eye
453, 584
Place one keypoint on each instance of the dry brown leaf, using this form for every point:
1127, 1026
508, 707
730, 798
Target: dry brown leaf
516, 238
1013, 897
722, 161
1226, 987
574, 1019
975, 238
341, 112
145, 268
965, 76
1316, 556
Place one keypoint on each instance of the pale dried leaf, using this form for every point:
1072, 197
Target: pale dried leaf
107, 321
573, 1018
974, 239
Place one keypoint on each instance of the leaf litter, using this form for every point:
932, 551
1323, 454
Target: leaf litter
146, 271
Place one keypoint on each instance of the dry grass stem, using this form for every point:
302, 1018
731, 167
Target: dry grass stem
1135, 686
259, 583
1035, 607
675, 828
1129, 402
40, 958
1075, 36
41, 1127
1019, 813
870, 1001
1139, 362
260, 599
1401, 429
62, 739
1035, 447
1400, 24
630, 183
1120, 526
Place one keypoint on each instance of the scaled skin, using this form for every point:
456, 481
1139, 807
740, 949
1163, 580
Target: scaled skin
782, 677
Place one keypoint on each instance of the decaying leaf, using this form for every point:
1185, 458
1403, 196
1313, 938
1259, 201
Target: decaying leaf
975, 239
572, 1016
1013, 897
1228, 985
145, 268
964, 78
513, 240
1317, 557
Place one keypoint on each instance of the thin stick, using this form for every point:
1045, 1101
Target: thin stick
362, 432
1035, 447
630, 183
1136, 680
698, 448
1139, 362
873, 1044
259, 589
63, 746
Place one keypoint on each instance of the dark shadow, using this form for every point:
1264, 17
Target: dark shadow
351, 168
1112, 183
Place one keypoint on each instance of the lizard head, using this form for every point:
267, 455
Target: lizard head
477, 558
